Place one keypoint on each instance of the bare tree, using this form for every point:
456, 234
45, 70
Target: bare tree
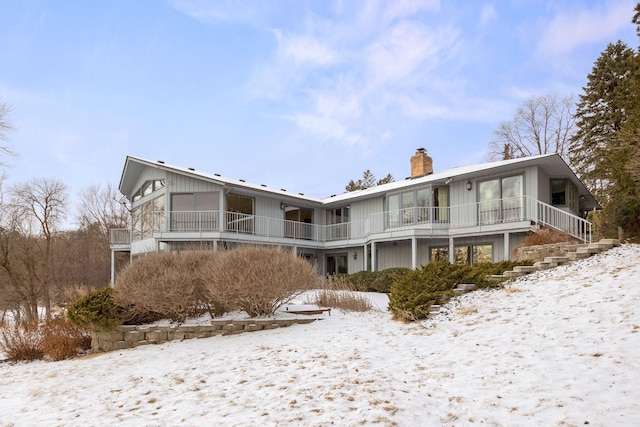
542, 125
41, 205
5, 127
99, 207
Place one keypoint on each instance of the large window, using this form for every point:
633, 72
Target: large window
194, 211
147, 218
298, 222
240, 213
500, 200
419, 206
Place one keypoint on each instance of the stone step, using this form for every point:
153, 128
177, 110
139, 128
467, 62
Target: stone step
558, 260
464, 287
589, 249
578, 255
545, 265
614, 242
434, 309
512, 274
526, 268
498, 277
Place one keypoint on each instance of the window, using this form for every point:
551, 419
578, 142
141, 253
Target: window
337, 264
194, 211
418, 206
147, 188
558, 192
482, 253
440, 254
500, 200
564, 193
239, 213
338, 223
147, 218
298, 222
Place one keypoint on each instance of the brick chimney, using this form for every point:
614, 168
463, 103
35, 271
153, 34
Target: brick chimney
421, 164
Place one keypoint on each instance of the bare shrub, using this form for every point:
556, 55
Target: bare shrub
166, 284
341, 299
22, 342
62, 340
259, 280
546, 236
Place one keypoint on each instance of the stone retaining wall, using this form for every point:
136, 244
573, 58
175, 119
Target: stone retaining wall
539, 252
124, 337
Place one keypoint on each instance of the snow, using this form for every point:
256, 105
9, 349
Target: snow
559, 347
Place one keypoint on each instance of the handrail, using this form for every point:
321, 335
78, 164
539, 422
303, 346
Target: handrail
508, 210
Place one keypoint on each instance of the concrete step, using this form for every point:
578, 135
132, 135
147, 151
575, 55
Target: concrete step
498, 277
434, 309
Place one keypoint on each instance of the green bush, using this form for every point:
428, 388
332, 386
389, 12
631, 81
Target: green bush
97, 310
375, 281
413, 293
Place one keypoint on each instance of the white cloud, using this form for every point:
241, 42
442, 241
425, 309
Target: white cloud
218, 10
406, 48
304, 50
488, 14
571, 28
326, 127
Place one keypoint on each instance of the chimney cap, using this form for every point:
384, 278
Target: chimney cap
421, 150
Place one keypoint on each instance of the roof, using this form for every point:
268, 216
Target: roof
552, 164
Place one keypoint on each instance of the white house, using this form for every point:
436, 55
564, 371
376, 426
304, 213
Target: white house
465, 214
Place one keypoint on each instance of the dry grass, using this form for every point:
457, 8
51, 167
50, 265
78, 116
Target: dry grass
342, 300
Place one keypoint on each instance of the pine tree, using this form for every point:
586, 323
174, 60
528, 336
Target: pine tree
601, 114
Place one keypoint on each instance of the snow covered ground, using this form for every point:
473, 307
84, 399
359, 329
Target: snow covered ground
557, 348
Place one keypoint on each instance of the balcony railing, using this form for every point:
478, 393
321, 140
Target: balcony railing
495, 212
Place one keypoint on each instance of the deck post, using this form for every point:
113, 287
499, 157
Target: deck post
452, 251
414, 253
113, 267
507, 250
373, 257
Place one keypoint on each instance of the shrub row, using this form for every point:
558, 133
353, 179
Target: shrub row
177, 286
375, 281
414, 292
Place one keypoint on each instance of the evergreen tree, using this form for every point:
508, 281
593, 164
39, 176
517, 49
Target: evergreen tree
601, 114
368, 180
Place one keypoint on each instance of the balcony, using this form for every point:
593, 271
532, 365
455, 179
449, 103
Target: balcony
499, 214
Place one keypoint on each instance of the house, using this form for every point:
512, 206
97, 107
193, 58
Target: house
467, 214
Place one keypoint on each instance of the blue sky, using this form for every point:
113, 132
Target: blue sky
302, 95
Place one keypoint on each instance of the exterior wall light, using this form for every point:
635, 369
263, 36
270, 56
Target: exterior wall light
355, 255
469, 185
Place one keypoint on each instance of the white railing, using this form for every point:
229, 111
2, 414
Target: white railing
119, 236
501, 211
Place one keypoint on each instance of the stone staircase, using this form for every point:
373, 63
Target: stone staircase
574, 253
577, 253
